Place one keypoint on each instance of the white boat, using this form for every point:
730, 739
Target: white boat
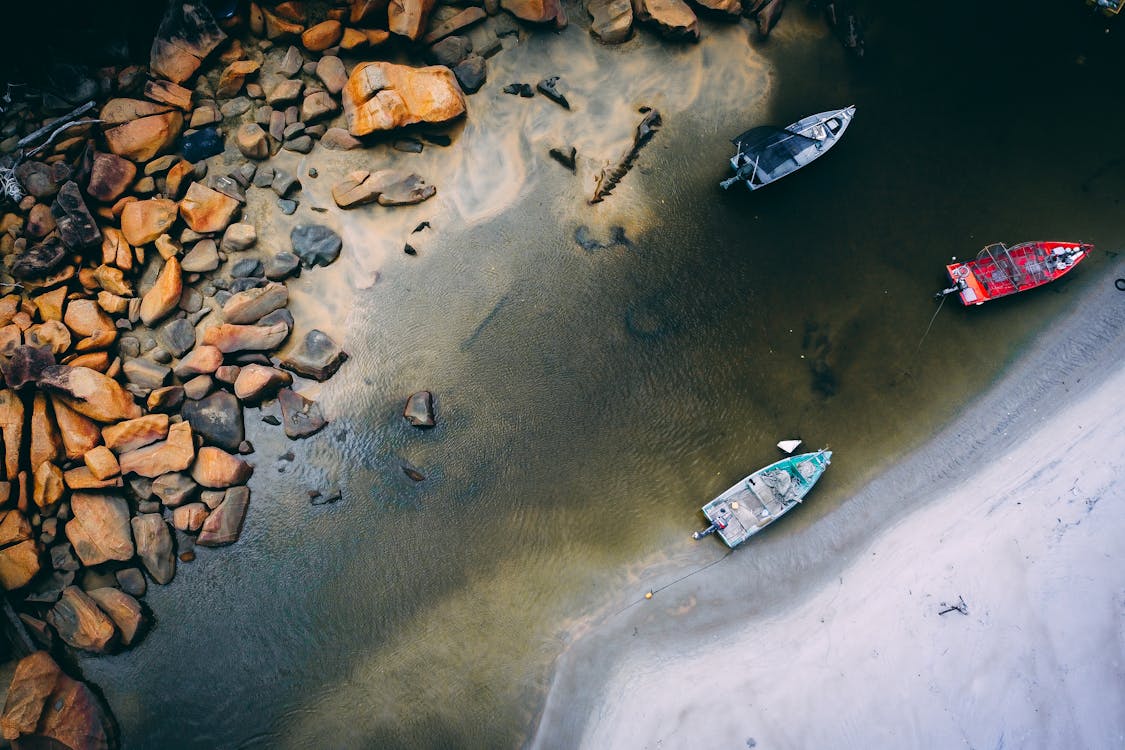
766, 154
789, 445
763, 497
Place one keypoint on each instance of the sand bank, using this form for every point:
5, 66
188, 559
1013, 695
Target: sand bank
1026, 529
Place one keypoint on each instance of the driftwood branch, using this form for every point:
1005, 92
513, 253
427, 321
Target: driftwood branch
960, 606
67, 118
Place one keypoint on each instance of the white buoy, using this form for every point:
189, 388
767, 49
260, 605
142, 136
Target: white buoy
789, 445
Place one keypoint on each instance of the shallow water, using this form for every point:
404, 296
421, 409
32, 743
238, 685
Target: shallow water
590, 401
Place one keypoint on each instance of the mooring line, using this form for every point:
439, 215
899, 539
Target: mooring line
653, 592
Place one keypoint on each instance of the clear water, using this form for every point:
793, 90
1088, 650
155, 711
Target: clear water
590, 401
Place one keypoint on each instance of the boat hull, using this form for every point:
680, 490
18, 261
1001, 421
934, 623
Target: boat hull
1000, 272
818, 137
764, 496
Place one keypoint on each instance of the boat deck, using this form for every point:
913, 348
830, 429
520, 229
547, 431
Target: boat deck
745, 509
999, 271
764, 496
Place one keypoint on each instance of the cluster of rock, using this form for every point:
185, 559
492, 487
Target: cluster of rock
140, 323
612, 21
45, 702
142, 316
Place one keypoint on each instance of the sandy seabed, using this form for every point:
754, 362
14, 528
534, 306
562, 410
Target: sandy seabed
1027, 533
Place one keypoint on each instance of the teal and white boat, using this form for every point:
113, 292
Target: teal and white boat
763, 497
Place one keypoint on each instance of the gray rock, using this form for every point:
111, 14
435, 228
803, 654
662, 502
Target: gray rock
286, 91
292, 131
287, 206
244, 175
407, 145
235, 107
330, 70
228, 186
217, 418
338, 139
301, 145
281, 266
471, 73
291, 63
419, 409
201, 258
244, 283
25, 364
251, 305
131, 581
154, 546
141, 487
149, 506
75, 223
300, 416
277, 316
451, 50
177, 336
161, 355
175, 489
62, 557
284, 183
40, 260
244, 267
146, 373
317, 356
315, 245
40, 179
191, 301
263, 178
238, 237
317, 105
198, 387
277, 125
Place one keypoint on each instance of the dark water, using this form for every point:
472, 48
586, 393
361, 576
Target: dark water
590, 401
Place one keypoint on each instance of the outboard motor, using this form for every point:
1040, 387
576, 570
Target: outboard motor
706, 532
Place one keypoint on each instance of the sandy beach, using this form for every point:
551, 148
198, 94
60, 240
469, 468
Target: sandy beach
1022, 523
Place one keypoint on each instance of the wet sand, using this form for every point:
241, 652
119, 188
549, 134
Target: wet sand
1022, 518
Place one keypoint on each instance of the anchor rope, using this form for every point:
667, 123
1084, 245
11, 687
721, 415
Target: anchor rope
685, 576
931, 325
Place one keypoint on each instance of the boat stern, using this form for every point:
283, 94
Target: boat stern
966, 284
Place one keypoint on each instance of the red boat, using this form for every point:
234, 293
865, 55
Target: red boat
999, 271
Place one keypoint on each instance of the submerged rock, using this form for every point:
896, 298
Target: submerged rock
419, 409
549, 87
300, 416
317, 357
389, 187
315, 245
